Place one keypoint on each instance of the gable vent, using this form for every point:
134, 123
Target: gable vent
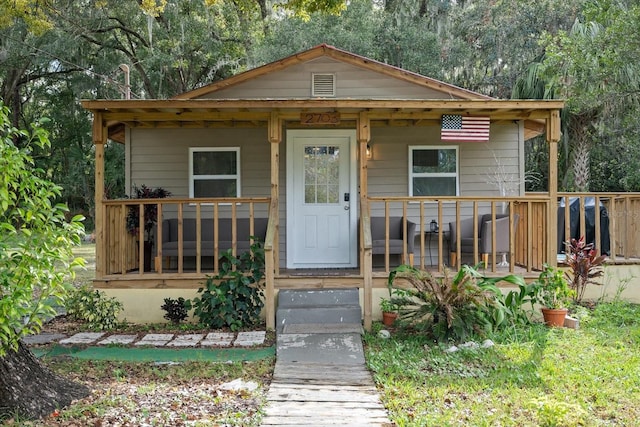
323, 85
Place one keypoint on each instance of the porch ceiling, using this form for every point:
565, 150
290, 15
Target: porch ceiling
253, 112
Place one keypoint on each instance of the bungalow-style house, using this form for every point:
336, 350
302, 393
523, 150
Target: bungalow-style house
344, 167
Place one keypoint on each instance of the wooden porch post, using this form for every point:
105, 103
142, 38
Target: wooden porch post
272, 266
99, 140
366, 261
553, 136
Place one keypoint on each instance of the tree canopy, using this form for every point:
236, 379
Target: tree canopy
57, 52
36, 261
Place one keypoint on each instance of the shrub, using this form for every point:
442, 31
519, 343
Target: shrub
552, 289
456, 307
233, 297
176, 309
93, 307
584, 266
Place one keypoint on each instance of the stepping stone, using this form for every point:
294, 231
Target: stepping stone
156, 340
118, 339
218, 339
189, 340
82, 338
44, 338
249, 339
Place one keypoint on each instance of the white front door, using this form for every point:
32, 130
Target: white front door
321, 199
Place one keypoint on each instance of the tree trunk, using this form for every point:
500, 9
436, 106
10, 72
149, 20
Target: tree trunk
30, 389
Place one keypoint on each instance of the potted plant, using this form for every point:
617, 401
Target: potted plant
389, 311
150, 218
553, 293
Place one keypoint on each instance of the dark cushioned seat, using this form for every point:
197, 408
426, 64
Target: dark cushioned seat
484, 239
396, 240
189, 239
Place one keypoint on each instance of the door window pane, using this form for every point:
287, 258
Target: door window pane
321, 174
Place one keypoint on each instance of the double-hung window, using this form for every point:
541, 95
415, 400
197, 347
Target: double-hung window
214, 172
433, 170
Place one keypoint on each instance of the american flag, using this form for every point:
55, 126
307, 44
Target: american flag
464, 129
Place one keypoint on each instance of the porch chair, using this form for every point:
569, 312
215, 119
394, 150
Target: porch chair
503, 236
396, 240
484, 240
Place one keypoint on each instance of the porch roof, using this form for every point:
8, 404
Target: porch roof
200, 112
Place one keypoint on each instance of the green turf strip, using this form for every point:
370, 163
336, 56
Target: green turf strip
147, 354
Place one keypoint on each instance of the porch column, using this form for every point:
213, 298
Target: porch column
366, 257
99, 140
553, 136
272, 263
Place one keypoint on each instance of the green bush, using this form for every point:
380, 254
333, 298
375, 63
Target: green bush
93, 307
456, 307
176, 309
234, 297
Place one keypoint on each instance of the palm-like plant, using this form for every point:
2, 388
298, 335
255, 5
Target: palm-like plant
448, 307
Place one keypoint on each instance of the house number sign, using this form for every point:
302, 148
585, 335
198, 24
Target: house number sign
330, 118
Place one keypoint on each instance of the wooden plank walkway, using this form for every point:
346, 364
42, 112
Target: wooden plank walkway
323, 394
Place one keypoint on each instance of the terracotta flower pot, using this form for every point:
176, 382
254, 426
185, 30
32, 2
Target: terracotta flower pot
388, 318
554, 316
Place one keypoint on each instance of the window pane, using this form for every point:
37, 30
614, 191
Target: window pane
321, 174
434, 161
436, 186
333, 195
214, 163
322, 194
309, 193
214, 188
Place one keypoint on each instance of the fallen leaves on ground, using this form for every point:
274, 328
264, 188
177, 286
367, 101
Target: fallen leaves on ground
160, 403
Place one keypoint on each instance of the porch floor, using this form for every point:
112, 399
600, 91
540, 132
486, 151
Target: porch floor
284, 273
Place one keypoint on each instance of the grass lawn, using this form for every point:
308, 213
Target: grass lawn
86, 274
532, 377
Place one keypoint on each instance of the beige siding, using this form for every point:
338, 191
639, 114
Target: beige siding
351, 82
388, 168
388, 174
159, 158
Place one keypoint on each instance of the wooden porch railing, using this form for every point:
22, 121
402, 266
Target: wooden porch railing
366, 261
271, 265
614, 226
122, 254
610, 220
527, 247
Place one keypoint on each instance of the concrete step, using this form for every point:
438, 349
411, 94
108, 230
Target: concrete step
329, 315
323, 328
317, 297
334, 349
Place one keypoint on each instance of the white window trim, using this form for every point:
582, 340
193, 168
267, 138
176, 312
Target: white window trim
237, 176
455, 174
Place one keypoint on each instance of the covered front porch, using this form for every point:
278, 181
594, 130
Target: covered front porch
120, 259
121, 262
